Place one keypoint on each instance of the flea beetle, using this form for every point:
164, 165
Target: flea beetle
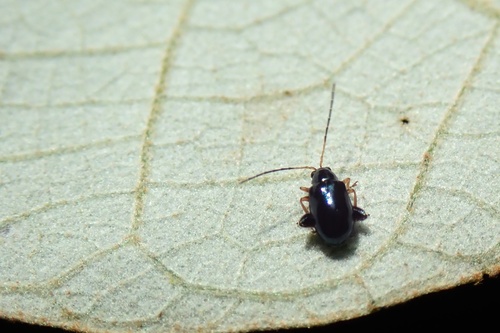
330, 213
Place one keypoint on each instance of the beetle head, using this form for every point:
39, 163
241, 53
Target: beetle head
322, 174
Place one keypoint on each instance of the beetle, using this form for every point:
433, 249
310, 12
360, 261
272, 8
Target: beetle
330, 214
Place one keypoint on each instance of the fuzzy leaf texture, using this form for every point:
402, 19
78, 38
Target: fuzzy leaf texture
125, 127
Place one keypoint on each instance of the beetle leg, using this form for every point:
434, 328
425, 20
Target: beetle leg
347, 183
350, 189
307, 221
302, 204
359, 214
305, 189
355, 201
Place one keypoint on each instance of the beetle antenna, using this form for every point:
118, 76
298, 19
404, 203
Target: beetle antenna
276, 170
327, 126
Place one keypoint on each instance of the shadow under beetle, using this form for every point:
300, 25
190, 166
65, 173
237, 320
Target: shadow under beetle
331, 213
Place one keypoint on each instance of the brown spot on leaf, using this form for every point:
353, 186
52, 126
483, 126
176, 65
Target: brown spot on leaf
404, 120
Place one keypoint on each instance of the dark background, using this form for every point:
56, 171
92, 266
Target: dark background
471, 305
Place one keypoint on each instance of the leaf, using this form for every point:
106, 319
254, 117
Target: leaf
126, 127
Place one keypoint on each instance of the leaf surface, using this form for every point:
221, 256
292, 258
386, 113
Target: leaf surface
126, 126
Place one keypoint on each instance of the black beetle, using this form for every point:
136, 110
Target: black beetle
331, 213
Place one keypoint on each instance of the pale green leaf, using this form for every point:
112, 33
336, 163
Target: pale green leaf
126, 126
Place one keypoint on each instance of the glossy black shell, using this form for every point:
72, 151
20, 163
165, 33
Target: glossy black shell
331, 207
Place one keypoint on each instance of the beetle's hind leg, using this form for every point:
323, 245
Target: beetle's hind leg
359, 214
307, 221
350, 189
